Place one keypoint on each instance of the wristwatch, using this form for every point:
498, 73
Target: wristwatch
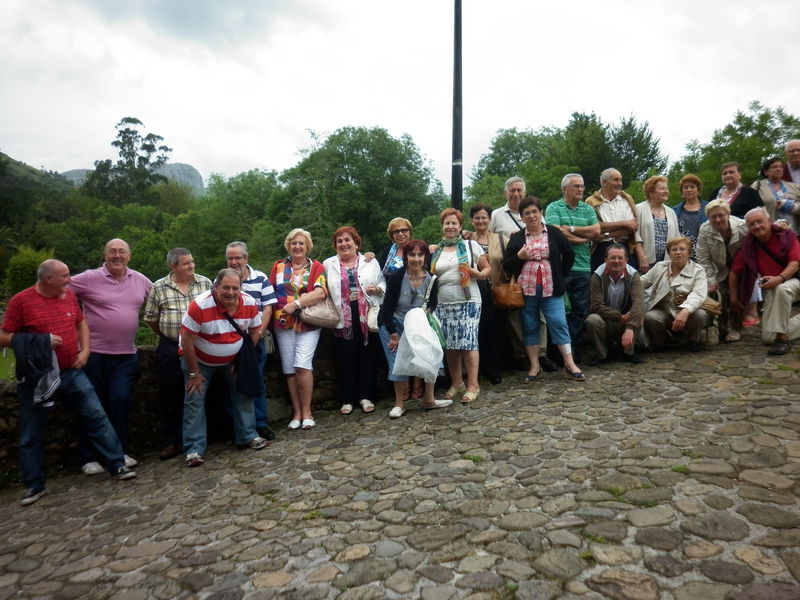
572, 228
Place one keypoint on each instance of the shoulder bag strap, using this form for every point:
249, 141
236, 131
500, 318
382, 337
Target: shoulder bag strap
770, 253
235, 326
510, 214
428, 293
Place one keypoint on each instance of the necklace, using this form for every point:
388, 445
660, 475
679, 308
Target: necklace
658, 211
415, 278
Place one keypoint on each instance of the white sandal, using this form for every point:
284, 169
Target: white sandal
366, 405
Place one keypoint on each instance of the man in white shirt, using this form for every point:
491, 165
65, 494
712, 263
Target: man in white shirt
506, 219
791, 168
616, 212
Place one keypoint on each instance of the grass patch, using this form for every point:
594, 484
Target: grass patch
587, 555
474, 458
788, 368
599, 539
690, 454
7, 364
680, 469
616, 492
765, 381
313, 514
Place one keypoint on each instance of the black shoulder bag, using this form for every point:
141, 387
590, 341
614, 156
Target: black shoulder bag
249, 381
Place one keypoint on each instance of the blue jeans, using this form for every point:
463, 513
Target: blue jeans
194, 411
260, 402
113, 377
78, 395
579, 287
554, 315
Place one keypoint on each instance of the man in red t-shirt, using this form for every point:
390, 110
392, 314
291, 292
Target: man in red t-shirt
770, 257
50, 309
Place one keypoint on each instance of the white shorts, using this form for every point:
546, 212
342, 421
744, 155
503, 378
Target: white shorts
296, 349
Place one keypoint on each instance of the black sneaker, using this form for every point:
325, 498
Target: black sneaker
124, 473
265, 432
31, 495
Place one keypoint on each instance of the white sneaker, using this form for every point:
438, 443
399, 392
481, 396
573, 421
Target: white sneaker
92, 468
130, 462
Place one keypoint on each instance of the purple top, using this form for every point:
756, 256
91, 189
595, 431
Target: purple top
111, 307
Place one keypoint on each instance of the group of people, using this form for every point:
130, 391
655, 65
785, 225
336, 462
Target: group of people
598, 276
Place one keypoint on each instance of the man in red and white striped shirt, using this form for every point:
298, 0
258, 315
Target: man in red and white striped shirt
208, 343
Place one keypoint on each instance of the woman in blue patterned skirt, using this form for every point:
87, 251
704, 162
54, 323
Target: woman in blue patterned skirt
459, 264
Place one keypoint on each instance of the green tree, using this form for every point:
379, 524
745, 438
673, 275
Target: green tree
635, 150
233, 208
129, 179
753, 136
21, 272
357, 176
585, 145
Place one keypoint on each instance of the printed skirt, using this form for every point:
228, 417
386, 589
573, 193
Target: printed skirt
460, 324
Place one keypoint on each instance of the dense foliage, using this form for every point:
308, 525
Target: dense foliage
355, 176
586, 146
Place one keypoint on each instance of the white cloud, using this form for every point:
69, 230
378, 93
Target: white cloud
237, 85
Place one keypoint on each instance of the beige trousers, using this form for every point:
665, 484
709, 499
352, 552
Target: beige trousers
599, 333
776, 316
658, 323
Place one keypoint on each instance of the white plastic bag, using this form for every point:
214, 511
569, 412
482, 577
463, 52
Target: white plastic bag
418, 353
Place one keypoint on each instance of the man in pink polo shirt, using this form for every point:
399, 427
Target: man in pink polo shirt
112, 297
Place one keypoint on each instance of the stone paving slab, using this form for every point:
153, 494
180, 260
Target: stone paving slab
676, 479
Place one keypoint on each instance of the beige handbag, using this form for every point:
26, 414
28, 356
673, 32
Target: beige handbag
323, 314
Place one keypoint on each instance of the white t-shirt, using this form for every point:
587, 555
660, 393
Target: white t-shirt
450, 289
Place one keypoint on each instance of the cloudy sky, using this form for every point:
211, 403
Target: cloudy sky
240, 84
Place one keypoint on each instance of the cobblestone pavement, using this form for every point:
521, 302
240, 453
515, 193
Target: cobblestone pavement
674, 479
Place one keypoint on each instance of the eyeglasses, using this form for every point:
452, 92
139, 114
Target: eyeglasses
396, 231
236, 258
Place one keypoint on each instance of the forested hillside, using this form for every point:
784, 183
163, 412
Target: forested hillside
356, 175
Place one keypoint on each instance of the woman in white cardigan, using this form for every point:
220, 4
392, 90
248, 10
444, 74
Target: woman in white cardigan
675, 289
356, 288
657, 221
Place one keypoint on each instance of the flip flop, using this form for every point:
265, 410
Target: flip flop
532, 378
453, 391
574, 375
470, 396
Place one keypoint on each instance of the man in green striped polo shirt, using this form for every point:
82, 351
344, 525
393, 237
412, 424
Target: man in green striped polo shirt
578, 222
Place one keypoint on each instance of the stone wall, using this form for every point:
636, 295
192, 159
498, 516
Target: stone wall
61, 439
